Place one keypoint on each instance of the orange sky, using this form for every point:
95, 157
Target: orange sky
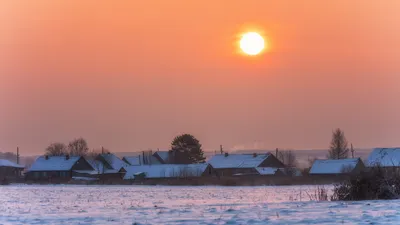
130, 75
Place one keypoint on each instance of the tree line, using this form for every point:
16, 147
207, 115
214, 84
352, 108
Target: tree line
76, 147
186, 149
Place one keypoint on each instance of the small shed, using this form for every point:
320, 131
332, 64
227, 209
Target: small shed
337, 167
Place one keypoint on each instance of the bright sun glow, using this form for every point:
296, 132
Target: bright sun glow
252, 43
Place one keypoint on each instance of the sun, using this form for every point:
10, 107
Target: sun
252, 43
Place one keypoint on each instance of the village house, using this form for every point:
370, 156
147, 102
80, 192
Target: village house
109, 167
58, 168
384, 157
168, 171
336, 167
243, 164
9, 170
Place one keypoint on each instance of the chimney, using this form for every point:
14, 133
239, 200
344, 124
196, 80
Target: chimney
254, 155
46, 157
276, 154
220, 148
67, 157
226, 154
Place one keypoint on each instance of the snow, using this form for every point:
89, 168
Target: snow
79, 204
333, 166
54, 163
237, 161
165, 170
386, 157
115, 162
138, 160
7, 163
164, 155
97, 166
266, 170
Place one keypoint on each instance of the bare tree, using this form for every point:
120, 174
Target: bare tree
288, 158
78, 147
338, 148
311, 161
56, 149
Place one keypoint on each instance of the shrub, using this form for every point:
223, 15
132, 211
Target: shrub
320, 194
378, 183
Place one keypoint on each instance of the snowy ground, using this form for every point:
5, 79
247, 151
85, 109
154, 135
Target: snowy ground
67, 204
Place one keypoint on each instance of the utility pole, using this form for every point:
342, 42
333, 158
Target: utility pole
276, 153
352, 151
220, 148
17, 155
102, 150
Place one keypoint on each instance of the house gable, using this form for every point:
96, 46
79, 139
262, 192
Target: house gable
82, 164
272, 161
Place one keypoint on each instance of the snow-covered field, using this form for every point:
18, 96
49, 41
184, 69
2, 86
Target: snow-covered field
68, 204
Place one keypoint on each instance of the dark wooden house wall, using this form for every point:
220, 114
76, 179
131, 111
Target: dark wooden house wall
233, 171
10, 172
272, 161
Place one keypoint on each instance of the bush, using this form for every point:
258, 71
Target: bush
321, 194
378, 183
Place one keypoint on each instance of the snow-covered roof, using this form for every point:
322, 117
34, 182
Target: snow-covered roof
386, 157
333, 166
237, 160
138, 160
115, 162
54, 163
98, 166
164, 155
166, 170
7, 163
266, 170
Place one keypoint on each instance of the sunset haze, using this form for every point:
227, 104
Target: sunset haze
131, 75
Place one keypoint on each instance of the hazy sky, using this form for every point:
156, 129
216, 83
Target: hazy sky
130, 75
